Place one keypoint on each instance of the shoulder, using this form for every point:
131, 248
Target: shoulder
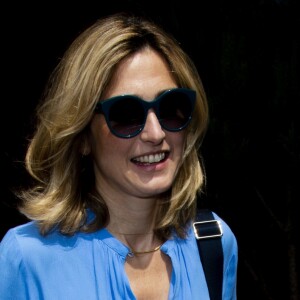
228, 238
12, 248
26, 239
229, 241
24, 248
16, 239
230, 253
13, 235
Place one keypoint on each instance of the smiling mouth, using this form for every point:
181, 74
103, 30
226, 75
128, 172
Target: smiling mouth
150, 159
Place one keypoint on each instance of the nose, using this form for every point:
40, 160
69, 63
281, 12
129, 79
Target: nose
152, 131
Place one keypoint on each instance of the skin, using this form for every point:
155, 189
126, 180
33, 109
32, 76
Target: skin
129, 187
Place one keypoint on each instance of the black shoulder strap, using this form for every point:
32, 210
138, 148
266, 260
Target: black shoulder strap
208, 233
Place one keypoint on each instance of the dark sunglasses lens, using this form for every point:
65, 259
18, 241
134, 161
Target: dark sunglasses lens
175, 110
126, 116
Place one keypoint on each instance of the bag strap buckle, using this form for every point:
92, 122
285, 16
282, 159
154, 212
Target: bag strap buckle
207, 229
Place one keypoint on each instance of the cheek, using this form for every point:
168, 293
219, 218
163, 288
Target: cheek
99, 135
179, 142
105, 147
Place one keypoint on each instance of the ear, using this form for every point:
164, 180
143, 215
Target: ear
85, 148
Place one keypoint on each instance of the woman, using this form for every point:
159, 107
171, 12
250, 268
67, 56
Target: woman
115, 163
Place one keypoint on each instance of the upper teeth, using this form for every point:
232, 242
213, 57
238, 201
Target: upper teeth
151, 158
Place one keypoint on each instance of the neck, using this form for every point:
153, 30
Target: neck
135, 229
139, 244
132, 217
132, 221
134, 253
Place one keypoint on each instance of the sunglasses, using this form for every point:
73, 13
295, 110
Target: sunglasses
126, 115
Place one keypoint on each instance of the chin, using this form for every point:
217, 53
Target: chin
153, 190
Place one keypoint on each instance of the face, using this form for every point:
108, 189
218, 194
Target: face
143, 166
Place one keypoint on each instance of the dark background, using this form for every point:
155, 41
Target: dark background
247, 54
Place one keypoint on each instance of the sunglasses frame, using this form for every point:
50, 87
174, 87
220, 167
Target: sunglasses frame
104, 107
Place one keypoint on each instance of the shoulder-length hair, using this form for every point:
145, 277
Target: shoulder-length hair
63, 190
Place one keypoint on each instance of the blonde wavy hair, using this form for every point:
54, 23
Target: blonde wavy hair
63, 189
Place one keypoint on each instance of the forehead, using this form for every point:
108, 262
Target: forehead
145, 73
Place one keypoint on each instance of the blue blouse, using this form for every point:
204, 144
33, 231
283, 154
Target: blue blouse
91, 266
